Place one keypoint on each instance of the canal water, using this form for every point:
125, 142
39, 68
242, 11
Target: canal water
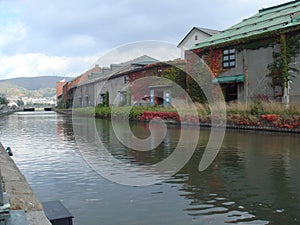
253, 180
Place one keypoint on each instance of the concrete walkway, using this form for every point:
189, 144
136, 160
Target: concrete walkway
20, 194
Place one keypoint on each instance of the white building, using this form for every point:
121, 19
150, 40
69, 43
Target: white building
195, 36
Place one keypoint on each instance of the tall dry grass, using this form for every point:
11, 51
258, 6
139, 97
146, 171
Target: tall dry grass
254, 108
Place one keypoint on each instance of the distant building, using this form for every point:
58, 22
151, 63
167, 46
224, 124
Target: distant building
69, 87
92, 91
133, 89
59, 89
195, 36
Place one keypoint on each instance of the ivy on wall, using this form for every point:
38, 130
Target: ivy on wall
214, 60
275, 71
200, 75
285, 60
255, 45
106, 99
292, 46
279, 69
175, 74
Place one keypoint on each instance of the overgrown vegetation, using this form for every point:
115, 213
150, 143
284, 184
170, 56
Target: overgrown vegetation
254, 109
199, 76
175, 74
258, 114
260, 108
279, 69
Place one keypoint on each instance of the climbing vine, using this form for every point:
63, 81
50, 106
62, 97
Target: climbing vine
214, 61
292, 47
279, 69
199, 75
255, 45
106, 99
176, 75
285, 60
275, 71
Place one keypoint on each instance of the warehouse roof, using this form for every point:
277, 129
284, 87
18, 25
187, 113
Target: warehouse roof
266, 20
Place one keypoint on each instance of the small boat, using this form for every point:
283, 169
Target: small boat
48, 109
28, 109
9, 151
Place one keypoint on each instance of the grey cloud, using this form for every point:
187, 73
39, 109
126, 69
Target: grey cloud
56, 27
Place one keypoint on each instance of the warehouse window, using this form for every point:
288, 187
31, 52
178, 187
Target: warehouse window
229, 58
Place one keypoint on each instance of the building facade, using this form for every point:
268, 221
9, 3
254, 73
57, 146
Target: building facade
59, 89
111, 82
136, 82
257, 58
69, 88
195, 36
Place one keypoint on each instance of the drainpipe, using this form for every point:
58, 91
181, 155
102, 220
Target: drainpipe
246, 82
285, 72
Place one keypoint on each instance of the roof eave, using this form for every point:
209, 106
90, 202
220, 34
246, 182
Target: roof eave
194, 28
186, 36
248, 39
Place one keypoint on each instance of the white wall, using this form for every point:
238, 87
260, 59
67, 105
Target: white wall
191, 41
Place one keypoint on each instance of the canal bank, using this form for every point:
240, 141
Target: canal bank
8, 111
253, 180
237, 121
20, 194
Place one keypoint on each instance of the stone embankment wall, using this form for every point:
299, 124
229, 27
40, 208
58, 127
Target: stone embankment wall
19, 192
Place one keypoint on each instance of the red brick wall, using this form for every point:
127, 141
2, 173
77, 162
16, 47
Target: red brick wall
59, 88
83, 77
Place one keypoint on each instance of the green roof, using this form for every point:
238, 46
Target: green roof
229, 79
266, 20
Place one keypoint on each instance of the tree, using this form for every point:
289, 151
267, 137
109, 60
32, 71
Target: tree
3, 101
20, 102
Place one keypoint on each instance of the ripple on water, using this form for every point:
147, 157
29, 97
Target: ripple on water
47, 154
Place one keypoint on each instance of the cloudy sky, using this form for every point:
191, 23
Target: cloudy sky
57, 37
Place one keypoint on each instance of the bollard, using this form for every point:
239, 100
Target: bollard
1, 190
2, 218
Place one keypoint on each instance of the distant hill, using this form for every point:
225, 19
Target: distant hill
35, 83
44, 86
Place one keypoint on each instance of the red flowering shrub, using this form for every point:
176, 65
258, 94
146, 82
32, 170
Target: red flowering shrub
163, 115
266, 120
169, 116
270, 117
279, 121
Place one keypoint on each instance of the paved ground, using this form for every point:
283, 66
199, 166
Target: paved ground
19, 192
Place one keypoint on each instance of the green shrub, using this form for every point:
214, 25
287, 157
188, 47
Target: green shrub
102, 112
256, 108
85, 111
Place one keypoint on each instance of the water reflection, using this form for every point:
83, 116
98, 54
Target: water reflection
249, 181
109, 155
253, 180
